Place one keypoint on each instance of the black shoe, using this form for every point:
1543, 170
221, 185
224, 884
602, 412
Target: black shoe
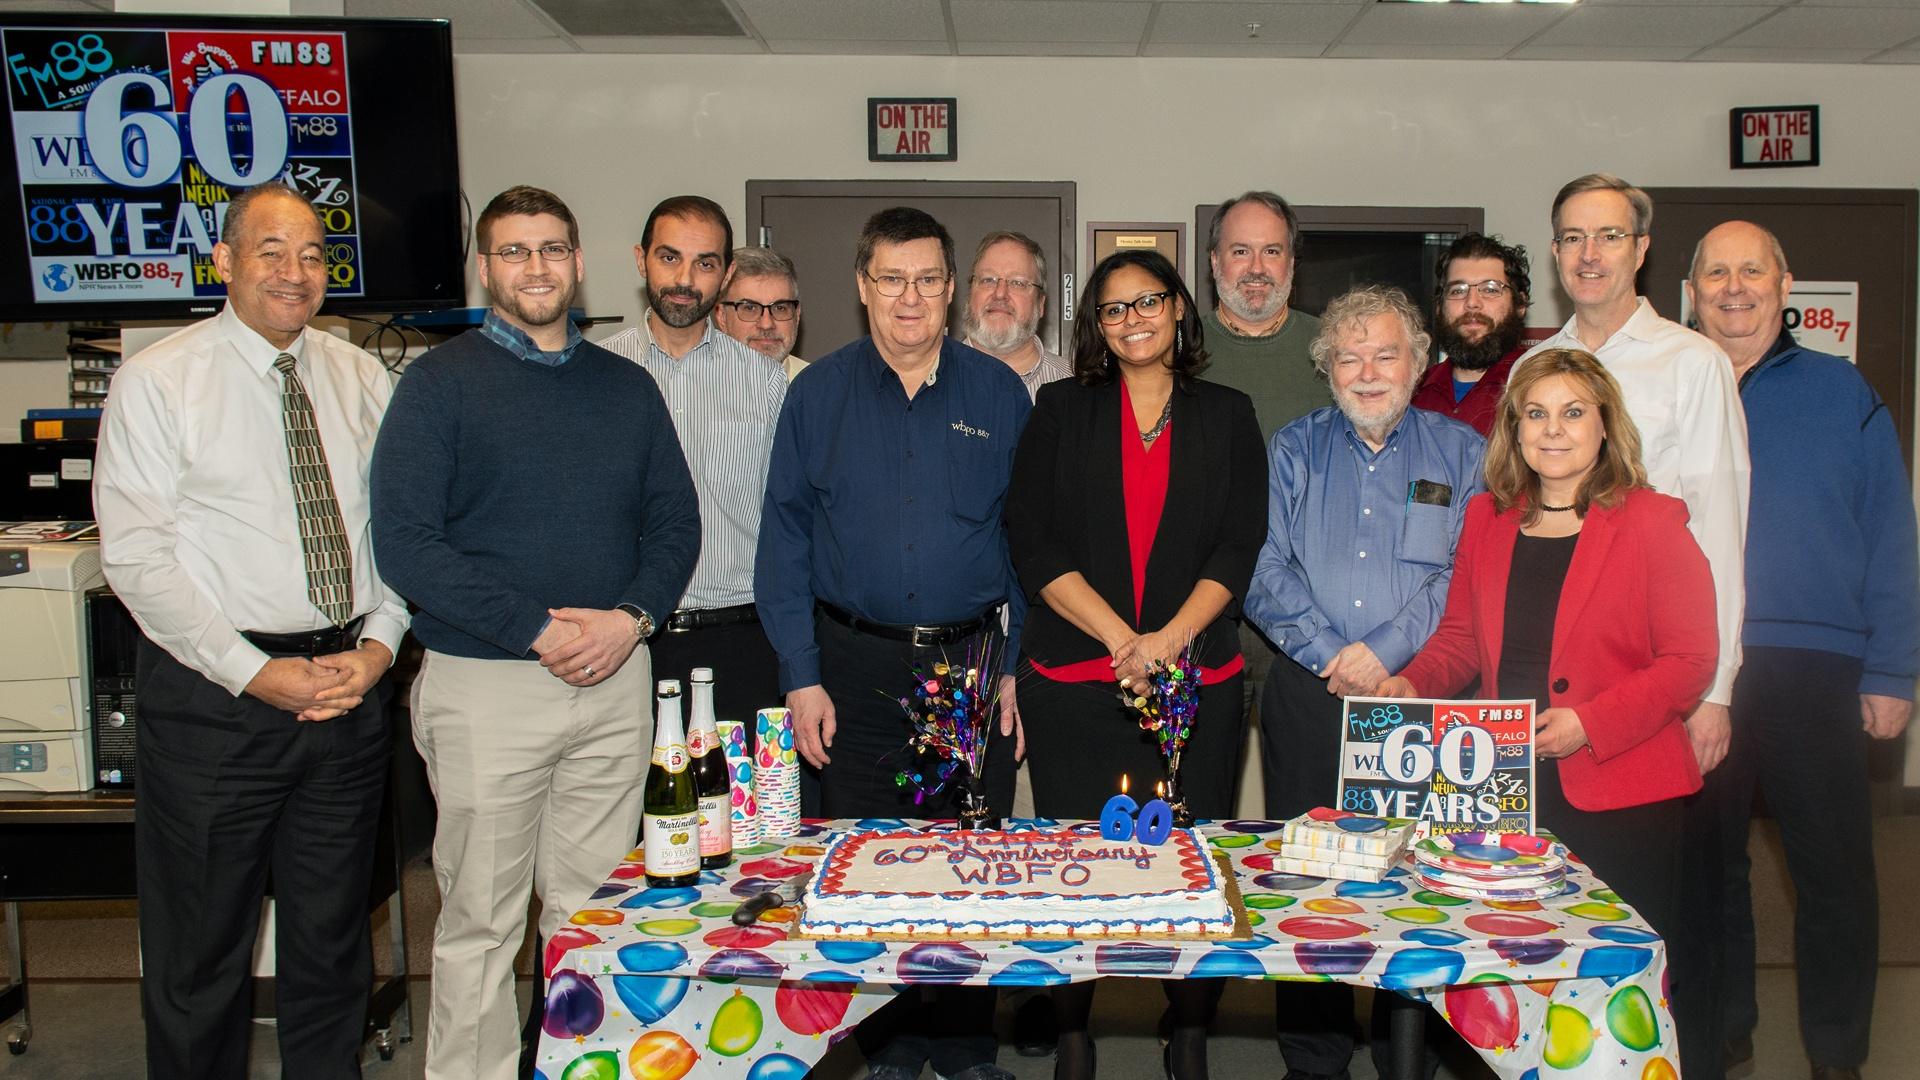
1835, 1072
1737, 1051
1035, 1029
1296, 1074
1075, 1058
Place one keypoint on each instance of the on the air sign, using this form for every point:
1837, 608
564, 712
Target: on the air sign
912, 129
1775, 136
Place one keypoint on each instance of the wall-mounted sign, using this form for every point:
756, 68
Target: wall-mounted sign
1169, 238
1774, 136
912, 129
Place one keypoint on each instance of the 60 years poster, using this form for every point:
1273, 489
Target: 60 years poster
130, 143
1465, 766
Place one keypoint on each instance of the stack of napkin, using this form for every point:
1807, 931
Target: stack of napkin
1337, 844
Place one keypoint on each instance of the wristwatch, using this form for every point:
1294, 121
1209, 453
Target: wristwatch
642, 622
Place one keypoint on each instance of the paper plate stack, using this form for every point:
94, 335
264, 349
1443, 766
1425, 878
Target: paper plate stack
1491, 866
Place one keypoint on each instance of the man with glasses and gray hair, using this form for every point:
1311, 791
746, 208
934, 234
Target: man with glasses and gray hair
1006, 299
760, 306
1680, 391
882, 546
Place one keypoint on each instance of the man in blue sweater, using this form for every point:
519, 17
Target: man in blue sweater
1831, 639
529, 496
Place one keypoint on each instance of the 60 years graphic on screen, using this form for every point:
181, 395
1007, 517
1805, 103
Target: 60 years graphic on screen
130, 143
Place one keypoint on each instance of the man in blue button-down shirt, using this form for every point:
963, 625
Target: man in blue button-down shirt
881, 544
1366, 502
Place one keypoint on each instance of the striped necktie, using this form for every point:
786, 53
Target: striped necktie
323, 534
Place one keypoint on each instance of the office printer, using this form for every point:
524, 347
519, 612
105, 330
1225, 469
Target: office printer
46, 730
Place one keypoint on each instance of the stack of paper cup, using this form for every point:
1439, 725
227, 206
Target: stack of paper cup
776, 774
745, 811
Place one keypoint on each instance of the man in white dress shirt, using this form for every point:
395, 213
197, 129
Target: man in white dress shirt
1681, 394
231, 487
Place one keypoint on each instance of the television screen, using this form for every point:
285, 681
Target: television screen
131, 133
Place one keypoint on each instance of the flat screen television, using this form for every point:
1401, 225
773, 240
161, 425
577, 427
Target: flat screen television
130, 133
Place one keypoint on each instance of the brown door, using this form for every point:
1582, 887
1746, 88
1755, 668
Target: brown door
816, 223
1866, 235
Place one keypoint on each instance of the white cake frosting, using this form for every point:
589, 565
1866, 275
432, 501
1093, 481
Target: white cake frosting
1052, 883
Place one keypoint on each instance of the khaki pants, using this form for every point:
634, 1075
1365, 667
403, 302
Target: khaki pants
538, 786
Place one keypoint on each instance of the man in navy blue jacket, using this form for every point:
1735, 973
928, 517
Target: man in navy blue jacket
529, 495
1831, 639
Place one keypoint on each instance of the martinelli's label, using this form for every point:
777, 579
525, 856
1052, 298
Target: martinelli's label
716, 825
671, 844
672, 757
699, 742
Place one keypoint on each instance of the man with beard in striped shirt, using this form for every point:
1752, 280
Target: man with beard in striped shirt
724, 398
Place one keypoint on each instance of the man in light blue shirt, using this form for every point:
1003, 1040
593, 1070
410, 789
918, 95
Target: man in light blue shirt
1366, 500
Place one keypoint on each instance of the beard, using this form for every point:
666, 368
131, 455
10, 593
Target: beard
1383, 418
1499, 340
987, 339
543, 312
675, 315
1246, 310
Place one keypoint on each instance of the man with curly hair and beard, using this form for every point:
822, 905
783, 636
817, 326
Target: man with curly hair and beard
1479, 314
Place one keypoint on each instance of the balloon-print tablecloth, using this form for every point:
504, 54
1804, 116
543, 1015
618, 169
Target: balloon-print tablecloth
658, 984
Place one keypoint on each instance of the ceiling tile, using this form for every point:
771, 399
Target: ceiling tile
1603, 52
481, 46
1694, 26
1832, 28
471, 18
1452, 24
607, 43
980, 21
1419, 52
644, 18
851, 20
1226, 24
1809, 55
1047, 48
837, 47
1284, 49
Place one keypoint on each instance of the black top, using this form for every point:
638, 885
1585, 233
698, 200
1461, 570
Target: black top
1533, 599
1066, 511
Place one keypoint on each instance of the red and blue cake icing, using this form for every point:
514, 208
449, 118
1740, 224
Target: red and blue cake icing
1056, 882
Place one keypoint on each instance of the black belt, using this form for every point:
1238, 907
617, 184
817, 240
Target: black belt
916, 636
333, 639
707, 618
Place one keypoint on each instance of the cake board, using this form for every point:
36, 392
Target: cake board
1229, 884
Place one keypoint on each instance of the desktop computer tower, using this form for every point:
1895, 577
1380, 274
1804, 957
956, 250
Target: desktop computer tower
114, 640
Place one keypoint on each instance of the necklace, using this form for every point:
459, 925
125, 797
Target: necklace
1555, 509
1160, 426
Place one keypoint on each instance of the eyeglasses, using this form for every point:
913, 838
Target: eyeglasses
1114, 312
781, 310
1606, 239
514, 253
928, 285
992, 284
1488, 289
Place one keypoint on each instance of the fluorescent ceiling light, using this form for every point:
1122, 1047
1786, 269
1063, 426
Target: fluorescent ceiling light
1477, 1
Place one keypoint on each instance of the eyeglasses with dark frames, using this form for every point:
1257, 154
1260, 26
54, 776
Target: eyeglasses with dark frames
781, 310
1114, 312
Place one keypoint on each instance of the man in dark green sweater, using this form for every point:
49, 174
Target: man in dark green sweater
1256, 342
530, 496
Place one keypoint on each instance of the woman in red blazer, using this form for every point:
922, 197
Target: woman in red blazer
1579, 587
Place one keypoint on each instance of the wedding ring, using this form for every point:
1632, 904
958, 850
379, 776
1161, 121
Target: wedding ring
589, 671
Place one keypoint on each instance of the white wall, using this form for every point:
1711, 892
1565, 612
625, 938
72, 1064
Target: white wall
1147, 139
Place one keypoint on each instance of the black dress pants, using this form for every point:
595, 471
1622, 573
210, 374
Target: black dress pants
865, 675
1797, 735
231, 788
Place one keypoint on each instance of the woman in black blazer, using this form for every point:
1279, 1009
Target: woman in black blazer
1137, 508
